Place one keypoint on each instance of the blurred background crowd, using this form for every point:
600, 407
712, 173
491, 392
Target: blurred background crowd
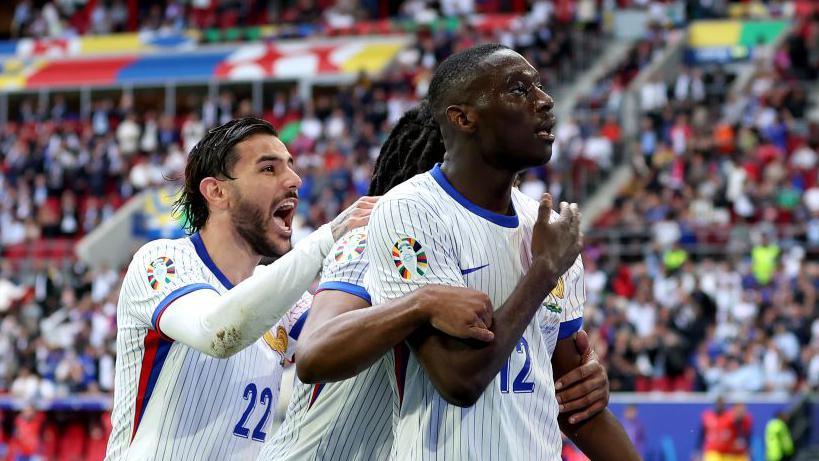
701, 273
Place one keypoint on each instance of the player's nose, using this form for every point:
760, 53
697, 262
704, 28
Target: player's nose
292, 180
543, 101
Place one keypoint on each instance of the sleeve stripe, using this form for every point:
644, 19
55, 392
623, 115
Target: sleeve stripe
295, 330
569, 328
346, 287
173, 296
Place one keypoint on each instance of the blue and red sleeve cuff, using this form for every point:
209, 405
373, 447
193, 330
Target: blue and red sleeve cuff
168, 300
347, 287
569, 328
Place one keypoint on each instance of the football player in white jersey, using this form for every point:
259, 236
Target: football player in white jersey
351, 419
194, 377
463, 224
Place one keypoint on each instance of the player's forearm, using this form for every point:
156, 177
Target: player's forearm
600, 438
221, 326
338, 349
460, 369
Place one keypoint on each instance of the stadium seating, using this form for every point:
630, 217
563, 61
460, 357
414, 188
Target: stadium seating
700, 277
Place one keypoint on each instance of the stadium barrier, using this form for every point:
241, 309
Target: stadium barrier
672, 421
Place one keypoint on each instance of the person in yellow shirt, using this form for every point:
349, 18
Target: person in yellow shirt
778, 442
764, 260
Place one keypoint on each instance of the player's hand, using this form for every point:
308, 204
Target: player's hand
556, 245
584, 390
356, 215
460, 312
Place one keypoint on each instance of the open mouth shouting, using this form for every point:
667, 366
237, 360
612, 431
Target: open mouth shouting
283, 214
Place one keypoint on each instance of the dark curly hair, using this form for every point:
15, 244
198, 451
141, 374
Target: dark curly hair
213, 156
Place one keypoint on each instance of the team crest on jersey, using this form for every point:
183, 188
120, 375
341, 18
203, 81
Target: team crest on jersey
161, 271
552, 307
351, 247
278, 342
559, 290
409, 257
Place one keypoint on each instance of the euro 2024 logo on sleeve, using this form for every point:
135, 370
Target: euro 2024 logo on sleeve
409, 258
351, 246
160, 271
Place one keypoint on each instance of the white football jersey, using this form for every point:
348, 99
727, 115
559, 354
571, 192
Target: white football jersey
425, 232
345, 420
172, 402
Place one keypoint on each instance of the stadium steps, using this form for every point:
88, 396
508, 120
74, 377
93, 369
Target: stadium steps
567, 96
603, 198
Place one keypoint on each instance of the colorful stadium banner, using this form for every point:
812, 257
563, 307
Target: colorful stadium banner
156, 219
726, 41
130, 43
281, 60
306, 59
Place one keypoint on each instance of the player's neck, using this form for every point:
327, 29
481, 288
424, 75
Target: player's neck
485, 186
231, 255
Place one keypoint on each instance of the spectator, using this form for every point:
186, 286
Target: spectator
635, 429
778, 442
26, 441
192, 131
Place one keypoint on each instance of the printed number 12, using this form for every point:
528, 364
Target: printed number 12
519, 385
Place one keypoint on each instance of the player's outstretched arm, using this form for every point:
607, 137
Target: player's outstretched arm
459, 369
341, 338
222, 325
600, 437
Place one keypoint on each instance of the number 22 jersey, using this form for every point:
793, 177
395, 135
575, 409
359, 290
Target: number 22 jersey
172, 402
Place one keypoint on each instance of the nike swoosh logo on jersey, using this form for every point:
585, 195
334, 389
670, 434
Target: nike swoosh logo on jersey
469, 271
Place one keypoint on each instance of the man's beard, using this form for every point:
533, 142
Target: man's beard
252, 225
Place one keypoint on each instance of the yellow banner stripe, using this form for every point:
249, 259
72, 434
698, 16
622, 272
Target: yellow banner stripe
372, 57
116, 43
714, 33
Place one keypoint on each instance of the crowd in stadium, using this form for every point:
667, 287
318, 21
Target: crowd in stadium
63, 19
738, 174
724, 221
703, 280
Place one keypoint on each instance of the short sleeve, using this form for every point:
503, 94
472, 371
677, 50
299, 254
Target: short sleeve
284, 336
568, 298
346, 264
408, 247
161, 272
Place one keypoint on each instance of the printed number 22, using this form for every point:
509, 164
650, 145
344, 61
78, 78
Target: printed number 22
519, 385
266, 399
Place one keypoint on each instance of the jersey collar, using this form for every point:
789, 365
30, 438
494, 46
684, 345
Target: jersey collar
199, 245
499, 219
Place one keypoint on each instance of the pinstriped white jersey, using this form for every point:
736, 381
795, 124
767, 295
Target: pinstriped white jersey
346, 420
424, 232
172, 402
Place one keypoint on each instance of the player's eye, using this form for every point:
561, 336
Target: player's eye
519, 89
540, 87
269, 169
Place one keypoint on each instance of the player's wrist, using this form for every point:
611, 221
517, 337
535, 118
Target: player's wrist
421, 306
544, 270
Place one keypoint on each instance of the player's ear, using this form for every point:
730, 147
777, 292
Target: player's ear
462, 117
214, 192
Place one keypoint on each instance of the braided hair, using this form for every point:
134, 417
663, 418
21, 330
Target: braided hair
414, 146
